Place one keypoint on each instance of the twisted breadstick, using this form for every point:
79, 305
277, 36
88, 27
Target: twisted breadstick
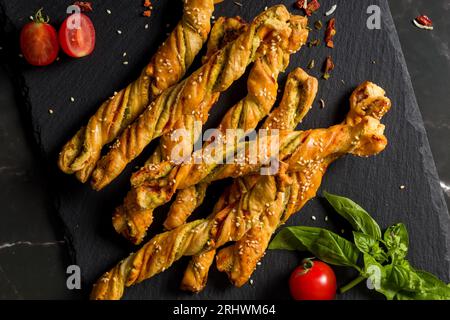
190, 100
299, 151
298, 97
166, 68
240, 259
134, 217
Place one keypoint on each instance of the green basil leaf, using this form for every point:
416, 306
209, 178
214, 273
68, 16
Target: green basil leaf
324, 244
358, 217
397, 241
364, 242
295, 238
403, 278
431, 289
335, 250
370, 245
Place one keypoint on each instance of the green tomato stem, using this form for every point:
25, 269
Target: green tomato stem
352, 284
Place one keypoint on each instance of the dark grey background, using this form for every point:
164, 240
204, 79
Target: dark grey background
32, 254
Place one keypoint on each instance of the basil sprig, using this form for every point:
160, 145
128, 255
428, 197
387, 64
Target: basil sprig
379, 258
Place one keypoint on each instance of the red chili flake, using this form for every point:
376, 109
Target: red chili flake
147, 13
301, 4
147, 3
424, 20
330, 32
85, 6
328, 67
312, 7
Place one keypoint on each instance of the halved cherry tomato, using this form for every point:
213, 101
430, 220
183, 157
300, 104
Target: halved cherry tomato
39, 41
313, 280
77, 35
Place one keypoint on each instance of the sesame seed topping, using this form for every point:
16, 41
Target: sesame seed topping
402, 187
50, 111
108, 11
119, 31
72, 99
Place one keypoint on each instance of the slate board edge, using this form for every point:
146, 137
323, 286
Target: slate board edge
416, 120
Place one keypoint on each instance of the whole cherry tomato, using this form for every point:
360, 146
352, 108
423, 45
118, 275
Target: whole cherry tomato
313, 280
39, 41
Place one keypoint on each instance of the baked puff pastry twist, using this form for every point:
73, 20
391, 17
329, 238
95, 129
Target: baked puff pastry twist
169, 64
133, 218
190, 100
308, 152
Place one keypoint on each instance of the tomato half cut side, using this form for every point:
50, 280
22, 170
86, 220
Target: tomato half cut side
77, 35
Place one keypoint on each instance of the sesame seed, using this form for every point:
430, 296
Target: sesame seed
20, 55
72, 99
124, 54
50, 111
251, 281
108, 11
326, 218
146, 26
238, 4
125, 62
402, 187
119, 31
342, 230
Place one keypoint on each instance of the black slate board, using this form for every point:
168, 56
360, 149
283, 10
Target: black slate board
372, 182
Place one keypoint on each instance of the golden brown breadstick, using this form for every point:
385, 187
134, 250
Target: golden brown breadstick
133, 218
298, 97
240, 259
306, 152
181, 105
166, 68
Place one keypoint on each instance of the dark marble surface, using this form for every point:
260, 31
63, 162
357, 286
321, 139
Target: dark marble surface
33, 257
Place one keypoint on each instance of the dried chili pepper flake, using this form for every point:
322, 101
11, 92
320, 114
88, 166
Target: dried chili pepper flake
330, 33
328, 67
147, 13
147, 3
312, 7
423, 22
85, 6
301, 4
